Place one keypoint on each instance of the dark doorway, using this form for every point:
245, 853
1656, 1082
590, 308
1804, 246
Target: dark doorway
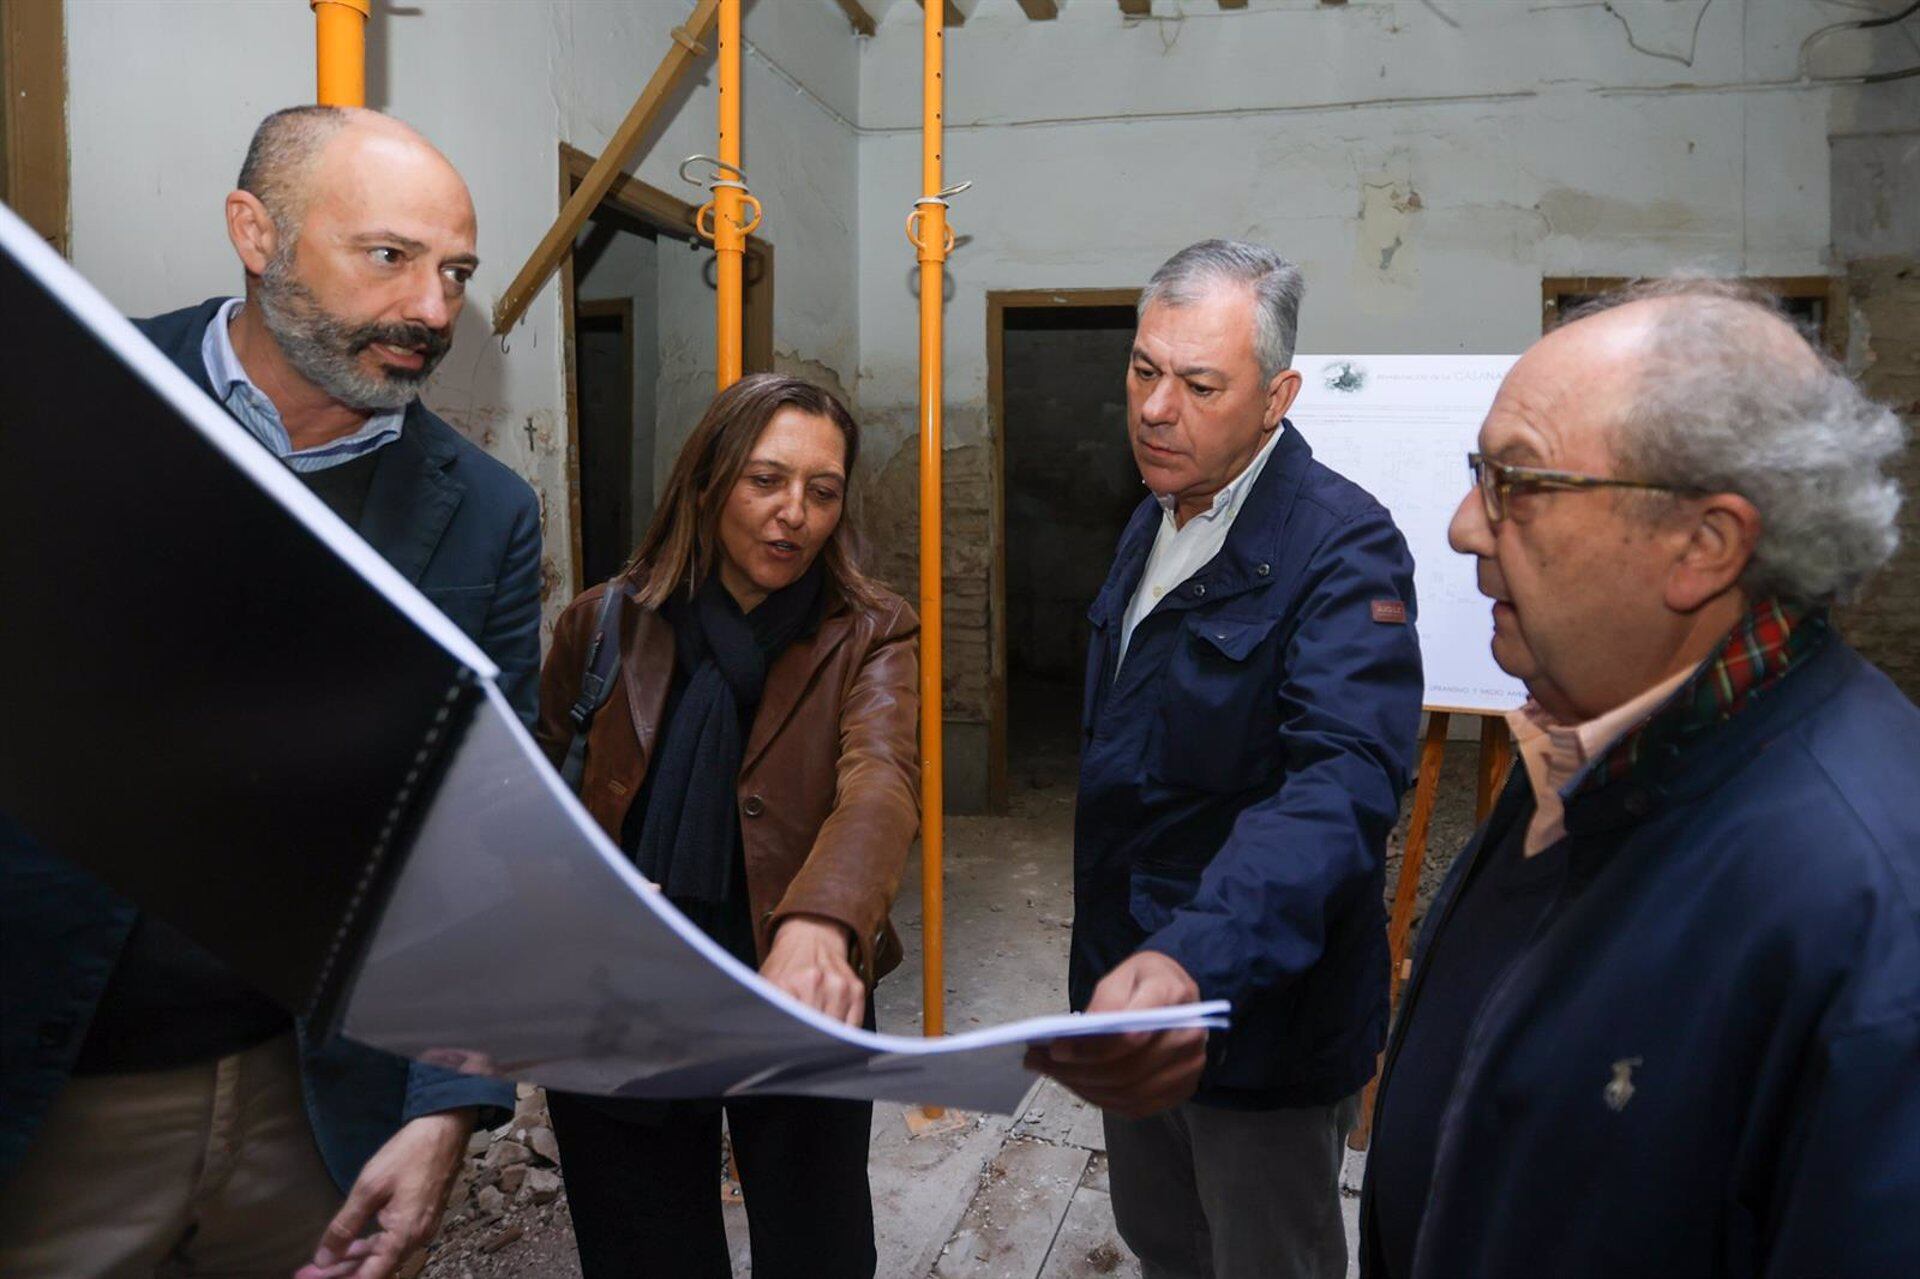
1815, 304
1069, 487
611, 494
616, 369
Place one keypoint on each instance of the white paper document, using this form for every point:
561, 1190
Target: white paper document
519, 941
1401, 426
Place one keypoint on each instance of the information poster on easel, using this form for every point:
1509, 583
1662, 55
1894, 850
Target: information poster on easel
1401, 426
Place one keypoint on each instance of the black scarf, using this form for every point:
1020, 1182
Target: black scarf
688, 834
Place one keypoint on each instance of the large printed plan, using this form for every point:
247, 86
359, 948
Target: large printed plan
519, 941
1401, 426
331, 792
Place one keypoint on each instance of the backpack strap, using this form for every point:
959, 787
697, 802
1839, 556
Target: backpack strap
597, 679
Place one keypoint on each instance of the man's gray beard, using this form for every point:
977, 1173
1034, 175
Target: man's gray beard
320, 346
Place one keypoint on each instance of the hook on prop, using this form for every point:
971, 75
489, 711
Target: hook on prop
919, 209
717, 181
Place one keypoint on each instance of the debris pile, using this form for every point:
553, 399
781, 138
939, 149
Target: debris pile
507, 1204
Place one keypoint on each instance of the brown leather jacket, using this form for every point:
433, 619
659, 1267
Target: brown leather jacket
829, 786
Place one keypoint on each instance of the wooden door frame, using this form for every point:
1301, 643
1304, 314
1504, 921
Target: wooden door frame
33, 50
999, 302
672, 217
1831, 289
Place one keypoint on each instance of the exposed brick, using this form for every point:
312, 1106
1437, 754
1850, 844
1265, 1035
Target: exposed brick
889, 515
1885, 301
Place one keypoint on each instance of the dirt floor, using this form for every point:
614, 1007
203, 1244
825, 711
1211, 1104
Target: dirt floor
1021, 1196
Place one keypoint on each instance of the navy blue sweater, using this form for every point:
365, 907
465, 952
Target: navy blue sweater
1707, 1059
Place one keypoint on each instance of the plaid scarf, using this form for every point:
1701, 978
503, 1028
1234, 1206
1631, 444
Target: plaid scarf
1770, 641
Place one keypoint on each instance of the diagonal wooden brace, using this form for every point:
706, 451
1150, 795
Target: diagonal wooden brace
558, 241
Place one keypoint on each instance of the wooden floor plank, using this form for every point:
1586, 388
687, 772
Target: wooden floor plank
1008, 1229
1088, 1247
926, 1187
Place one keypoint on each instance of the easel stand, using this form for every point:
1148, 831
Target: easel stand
1496, 755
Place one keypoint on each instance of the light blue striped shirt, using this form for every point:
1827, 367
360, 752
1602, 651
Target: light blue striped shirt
256, 412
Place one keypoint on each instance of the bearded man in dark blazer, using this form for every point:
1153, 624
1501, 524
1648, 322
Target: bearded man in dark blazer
157, 1111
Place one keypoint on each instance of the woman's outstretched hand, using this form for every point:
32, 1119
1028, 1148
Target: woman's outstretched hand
808, 960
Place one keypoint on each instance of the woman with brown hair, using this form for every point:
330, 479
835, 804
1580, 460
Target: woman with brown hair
757, 760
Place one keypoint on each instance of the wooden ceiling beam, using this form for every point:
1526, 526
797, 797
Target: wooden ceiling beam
682, 49
858, 16
1136, 8
1040, 10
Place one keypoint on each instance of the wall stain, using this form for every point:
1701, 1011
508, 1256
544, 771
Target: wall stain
1582, 213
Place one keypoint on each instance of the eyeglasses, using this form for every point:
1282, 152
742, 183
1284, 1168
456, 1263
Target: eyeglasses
1496, 482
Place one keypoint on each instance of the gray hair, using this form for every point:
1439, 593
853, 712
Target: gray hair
1718, 409
1276, 283
282, 154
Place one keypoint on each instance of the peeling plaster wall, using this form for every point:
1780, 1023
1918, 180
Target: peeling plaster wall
163, 97
1427, 164
1426, 171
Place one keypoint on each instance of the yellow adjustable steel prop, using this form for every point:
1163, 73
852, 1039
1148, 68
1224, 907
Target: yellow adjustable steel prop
932, 240
340, 51
723, 219
726, 221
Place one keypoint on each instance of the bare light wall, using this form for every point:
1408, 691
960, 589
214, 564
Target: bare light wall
163, 97
688, 360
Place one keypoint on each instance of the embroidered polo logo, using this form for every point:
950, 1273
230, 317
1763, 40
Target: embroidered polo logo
1390, 612
1619, 1090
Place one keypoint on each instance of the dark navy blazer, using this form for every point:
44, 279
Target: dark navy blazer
1239, 778
465, 530
1707, 1060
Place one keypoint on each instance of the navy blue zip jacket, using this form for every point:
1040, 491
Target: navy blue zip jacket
466, 531
1239, 777
1742, 929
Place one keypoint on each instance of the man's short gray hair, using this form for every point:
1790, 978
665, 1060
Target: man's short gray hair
1276, 283
282, 154
1719, 410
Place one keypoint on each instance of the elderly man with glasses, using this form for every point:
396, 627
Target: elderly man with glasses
1665, 1010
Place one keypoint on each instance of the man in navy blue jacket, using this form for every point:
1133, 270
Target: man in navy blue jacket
1665, 1010
1253, 692
157, 1112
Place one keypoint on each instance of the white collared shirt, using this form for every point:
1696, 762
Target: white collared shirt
1178, 553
